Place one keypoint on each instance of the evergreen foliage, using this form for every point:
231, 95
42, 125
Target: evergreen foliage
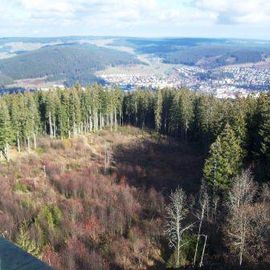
57, 113
201, 118
25, 242
224, 161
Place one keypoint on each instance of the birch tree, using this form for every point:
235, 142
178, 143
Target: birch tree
241, 198
177, 212
202, 211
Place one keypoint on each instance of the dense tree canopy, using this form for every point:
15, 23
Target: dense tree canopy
195, 117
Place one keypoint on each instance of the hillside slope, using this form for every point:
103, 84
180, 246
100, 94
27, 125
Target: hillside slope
203, 52
79, 217
69, 62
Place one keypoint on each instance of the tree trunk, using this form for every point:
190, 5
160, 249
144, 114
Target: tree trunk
241, 257
44, 170
115, 119
107, 119
96, 121
198, 235
111, 121
178, 243
121, 118
103, 121
18, 144
35, 141
107, 158
203, 251
100, 121
7, 152
50, 125
28, 144
74, 129
54, 128
242, 244
90, 125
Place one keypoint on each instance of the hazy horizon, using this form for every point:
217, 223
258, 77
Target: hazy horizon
138, 37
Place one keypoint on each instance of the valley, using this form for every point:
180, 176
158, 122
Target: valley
224, 67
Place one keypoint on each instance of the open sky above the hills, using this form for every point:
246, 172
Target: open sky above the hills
148, 18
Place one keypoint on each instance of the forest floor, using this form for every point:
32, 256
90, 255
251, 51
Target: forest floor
157, 161
128, 192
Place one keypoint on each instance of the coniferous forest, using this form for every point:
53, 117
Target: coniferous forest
95, 178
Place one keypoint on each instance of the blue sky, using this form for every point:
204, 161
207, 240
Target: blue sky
148, 18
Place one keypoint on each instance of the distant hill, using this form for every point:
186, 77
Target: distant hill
70, 62
204, 52
76, 59
4, 80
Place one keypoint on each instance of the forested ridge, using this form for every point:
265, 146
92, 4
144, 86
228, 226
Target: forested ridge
124, 223
70, 62
208, 53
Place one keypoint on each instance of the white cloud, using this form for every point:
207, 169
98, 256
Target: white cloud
49, 17
66, 8
238, 11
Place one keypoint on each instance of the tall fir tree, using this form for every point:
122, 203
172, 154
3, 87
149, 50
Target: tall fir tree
5, 130
224, 161
158, 110
263, 155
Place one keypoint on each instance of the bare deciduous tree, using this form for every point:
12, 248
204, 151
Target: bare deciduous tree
265, 193
203, 251
241, 198
203, 205
258, 232
176, 213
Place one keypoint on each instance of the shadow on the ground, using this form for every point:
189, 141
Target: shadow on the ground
223, 266
163, 165
220, 266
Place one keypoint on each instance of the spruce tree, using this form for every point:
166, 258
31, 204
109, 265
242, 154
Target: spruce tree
203, 121
74, 111
224, 161
15, 118
237, 111
175, 116
5, 129
181, 113
186, 112
158, 110
24, 241
32, 120
263, 135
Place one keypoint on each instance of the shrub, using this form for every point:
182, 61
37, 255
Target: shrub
21, 187
24, 241
52, 215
